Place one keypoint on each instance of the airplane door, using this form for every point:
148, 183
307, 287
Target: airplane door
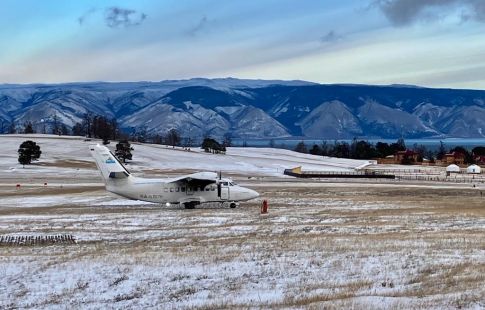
224, 192
189, 190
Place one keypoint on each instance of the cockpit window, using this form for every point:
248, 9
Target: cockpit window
231, 184
225, 183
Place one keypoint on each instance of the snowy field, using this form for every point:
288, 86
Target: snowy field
323, 245
70, 156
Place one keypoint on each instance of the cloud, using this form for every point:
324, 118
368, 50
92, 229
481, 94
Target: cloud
331, 36
199, 26
405, 12
116, 17
81, 19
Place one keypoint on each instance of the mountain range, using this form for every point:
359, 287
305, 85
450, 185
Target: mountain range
254, 108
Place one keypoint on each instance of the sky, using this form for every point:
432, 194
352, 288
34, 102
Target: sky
434, 43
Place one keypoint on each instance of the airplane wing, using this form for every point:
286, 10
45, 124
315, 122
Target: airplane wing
198, 178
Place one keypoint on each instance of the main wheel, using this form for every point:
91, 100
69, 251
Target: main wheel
232, 205
189, 205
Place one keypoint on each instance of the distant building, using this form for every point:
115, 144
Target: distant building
452, 169
407, 156
473, 169
386, 160
456, 158
400, 157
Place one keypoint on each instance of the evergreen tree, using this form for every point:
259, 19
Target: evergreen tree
28, 151
363, 150
479, 151
341, 150
316, 150
212, 146
24, 158
301, 147
28, 128
399, 145
123, 150
78, 130
101, 128
383, 149
64, 130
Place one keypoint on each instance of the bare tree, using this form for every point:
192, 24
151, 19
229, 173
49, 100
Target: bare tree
12, 128
87, 123
173, 137
56, 128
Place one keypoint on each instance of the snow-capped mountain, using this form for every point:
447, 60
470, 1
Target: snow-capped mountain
254, 108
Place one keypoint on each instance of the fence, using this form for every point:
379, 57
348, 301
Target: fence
37, 240
439, 179
339, 174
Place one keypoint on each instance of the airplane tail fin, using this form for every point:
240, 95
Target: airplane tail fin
108, 164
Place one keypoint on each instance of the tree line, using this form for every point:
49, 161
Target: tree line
361, 149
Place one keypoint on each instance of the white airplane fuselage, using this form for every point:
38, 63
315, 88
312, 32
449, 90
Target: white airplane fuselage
164, 191
190, 190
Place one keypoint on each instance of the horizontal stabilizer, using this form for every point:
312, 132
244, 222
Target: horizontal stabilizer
118, 175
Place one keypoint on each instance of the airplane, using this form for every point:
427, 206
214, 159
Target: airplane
189, 190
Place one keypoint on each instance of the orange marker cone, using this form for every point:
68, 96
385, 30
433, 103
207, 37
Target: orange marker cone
264, 207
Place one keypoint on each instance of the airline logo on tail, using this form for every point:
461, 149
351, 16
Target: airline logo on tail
110, 161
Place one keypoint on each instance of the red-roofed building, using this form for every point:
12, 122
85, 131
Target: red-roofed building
479, 159
407, 156
456, 158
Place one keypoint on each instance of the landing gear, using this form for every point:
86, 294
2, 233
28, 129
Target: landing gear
232, 205
190, 205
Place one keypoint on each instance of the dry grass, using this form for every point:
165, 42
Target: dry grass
320, 247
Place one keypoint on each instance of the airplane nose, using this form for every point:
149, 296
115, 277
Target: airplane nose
253, 194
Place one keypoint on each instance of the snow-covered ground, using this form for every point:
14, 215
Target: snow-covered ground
343, 245
319, 247
73, 152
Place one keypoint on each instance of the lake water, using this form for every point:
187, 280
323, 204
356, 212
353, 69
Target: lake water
432, 144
